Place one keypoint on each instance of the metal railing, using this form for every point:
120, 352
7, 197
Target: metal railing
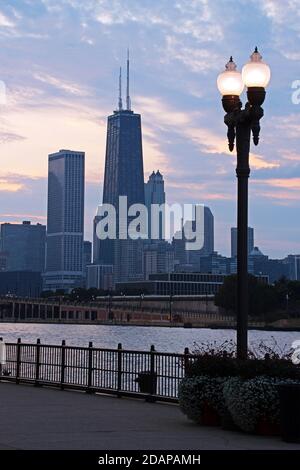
147, 374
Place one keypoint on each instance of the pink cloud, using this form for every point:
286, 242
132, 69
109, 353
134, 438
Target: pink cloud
10, 186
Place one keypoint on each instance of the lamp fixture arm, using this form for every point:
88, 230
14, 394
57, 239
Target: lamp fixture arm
251, 116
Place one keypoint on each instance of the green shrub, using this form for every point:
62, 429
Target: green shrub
246, 390
197, 392
251, 401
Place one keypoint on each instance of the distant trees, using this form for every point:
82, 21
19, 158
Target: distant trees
46, 294
288, 291
76, 295
79, 294
284, 295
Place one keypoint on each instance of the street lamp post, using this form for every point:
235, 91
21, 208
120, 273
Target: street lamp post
109, 307
241, 123
141, 300
287, 297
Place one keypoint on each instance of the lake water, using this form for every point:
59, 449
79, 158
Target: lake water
136, 337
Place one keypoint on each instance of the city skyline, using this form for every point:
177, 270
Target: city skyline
149, 230
51, 103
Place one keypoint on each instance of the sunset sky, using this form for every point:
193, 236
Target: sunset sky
60, 60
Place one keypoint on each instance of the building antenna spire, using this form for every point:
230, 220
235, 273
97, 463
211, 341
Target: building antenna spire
120, 90
128, 101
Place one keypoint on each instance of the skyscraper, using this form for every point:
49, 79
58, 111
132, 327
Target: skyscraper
100, 276
87, 253
192, 257
234, 241
64, 249
209, 233
87, 258
158, 258
24, 245
293, 264
124, 176
3, 260
155, 194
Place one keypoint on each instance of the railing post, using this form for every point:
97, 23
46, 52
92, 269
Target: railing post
18, 361
119, 369
152, 374
1, 368
90, 367
37, 362
186, 359
62, 364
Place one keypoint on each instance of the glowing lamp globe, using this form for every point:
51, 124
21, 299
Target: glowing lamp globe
230, 81
256, 73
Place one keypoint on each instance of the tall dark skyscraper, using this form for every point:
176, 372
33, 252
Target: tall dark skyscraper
64, 249
124, 176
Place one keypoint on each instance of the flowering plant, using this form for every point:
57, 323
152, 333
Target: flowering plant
196, 394
264, 359
252, 401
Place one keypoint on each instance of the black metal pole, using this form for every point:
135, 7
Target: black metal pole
241, 123
243, 133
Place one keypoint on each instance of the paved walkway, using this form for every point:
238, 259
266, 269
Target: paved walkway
44, 418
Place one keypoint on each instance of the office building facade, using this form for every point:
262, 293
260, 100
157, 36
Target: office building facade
65, 221
100, 276
155, 194
158, 258
191, 258
175, 284
3, 261
234, 234
292, 262
23, 246
21, 283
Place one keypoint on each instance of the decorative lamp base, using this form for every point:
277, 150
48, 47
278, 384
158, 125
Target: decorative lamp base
256, 95
231, 103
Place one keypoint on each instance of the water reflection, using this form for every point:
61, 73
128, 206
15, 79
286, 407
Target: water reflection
165, 339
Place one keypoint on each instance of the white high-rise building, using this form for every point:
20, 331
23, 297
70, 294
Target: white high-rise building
65, 221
